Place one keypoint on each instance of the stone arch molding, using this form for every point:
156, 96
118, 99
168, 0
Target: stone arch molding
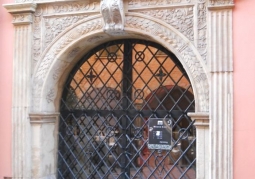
67, 48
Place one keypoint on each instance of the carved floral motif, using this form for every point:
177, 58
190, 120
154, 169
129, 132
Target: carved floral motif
221, 2
142, 3
50, 95
52, 19
37, 50
62, 43
146, 25
81, 6
22, 18
157, 30
180, 18
202, 29
187, 54
54, 26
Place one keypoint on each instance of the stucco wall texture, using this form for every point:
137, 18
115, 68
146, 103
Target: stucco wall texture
244, 93
6, 56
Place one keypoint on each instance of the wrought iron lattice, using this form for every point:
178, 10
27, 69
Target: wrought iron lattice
107, 103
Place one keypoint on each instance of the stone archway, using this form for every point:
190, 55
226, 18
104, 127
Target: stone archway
211, 76
60, 57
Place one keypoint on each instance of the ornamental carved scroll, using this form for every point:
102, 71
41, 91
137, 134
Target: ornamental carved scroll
113, 15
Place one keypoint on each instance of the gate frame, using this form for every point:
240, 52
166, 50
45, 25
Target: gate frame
41, 96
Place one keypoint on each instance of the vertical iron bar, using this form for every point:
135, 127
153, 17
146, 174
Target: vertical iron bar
72, 163
127, 96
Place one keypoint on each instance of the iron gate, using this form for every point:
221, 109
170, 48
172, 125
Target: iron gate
108, 102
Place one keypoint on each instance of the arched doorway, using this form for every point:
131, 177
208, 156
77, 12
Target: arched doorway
112, 100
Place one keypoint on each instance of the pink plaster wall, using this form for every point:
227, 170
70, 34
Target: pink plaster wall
244, 89
6, 52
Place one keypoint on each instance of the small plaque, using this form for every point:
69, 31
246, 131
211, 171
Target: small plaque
160, 133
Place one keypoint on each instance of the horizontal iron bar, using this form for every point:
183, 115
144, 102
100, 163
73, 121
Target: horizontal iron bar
131, 113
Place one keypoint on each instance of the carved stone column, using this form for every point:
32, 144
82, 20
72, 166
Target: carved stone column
202, 144
21, 147
44, 135
221, 88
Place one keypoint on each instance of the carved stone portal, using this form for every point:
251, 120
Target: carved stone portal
113, 15
52, 35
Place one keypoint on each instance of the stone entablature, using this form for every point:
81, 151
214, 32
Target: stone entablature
187, 16
53, 18
51, 36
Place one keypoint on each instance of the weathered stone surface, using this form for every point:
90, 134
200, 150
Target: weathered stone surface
51, 36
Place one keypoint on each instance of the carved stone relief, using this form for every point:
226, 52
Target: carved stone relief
37, 33
22, 18
186, 52
54, 26
50, 95
136, 23
59, 26
180, 18
221, 2
113, 15
56, 48
142, 3
202, 29
52, 19
150, 2
74, 7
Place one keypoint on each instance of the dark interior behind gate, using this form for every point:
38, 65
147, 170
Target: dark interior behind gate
114, 103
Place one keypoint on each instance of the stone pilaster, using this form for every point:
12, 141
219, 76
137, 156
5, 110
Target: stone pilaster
44, 135
221, 88
21, 147
202, 144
